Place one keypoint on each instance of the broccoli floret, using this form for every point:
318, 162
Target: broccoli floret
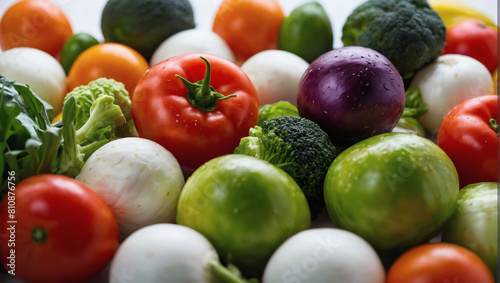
93, 115
408, 32
299, 147
87, 95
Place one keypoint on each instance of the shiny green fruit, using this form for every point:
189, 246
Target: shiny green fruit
396, 190
306, 32
475, 223
74, 46
246, 207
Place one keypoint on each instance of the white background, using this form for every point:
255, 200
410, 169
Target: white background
85, 16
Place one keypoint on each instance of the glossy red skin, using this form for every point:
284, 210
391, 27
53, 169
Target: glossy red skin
438, 263
352, 93
82, 234
468, 139
475, 39
162, 113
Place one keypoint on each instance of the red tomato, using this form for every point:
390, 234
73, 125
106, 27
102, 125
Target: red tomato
110, 60
475, 39
193, 123
469, 139
63, 231
438, 263
38, 24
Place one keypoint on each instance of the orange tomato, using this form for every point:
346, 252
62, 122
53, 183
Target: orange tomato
249, 26
439, 262
110, 60
38, 24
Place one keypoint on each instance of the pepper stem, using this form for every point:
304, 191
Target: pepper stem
201, 94
39, 235
494, 125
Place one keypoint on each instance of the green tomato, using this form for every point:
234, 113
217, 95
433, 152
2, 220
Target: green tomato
245, 206
306, 32
73, 46
475, 223
395, 190
409, 125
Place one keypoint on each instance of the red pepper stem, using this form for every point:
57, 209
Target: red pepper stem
201, 94
39, 235
494, 125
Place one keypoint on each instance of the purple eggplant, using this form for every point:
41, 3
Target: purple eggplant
353, 93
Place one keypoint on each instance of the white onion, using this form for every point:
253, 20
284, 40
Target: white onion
138, 179
324, 255
38, 69
164, 253
276, 75
447, 82
192, 40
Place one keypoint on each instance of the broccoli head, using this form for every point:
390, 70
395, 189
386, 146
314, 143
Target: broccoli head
408, 32
299, 147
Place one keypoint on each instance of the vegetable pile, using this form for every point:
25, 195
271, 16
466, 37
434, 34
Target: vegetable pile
254, 151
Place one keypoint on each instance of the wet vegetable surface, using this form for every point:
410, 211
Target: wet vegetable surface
352, 93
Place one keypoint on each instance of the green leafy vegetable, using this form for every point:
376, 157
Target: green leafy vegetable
414, 105
29, 142
414, 108
278, 109
299, 147
93, 115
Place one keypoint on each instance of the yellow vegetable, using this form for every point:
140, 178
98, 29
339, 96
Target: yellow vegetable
454, 11
57, 118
